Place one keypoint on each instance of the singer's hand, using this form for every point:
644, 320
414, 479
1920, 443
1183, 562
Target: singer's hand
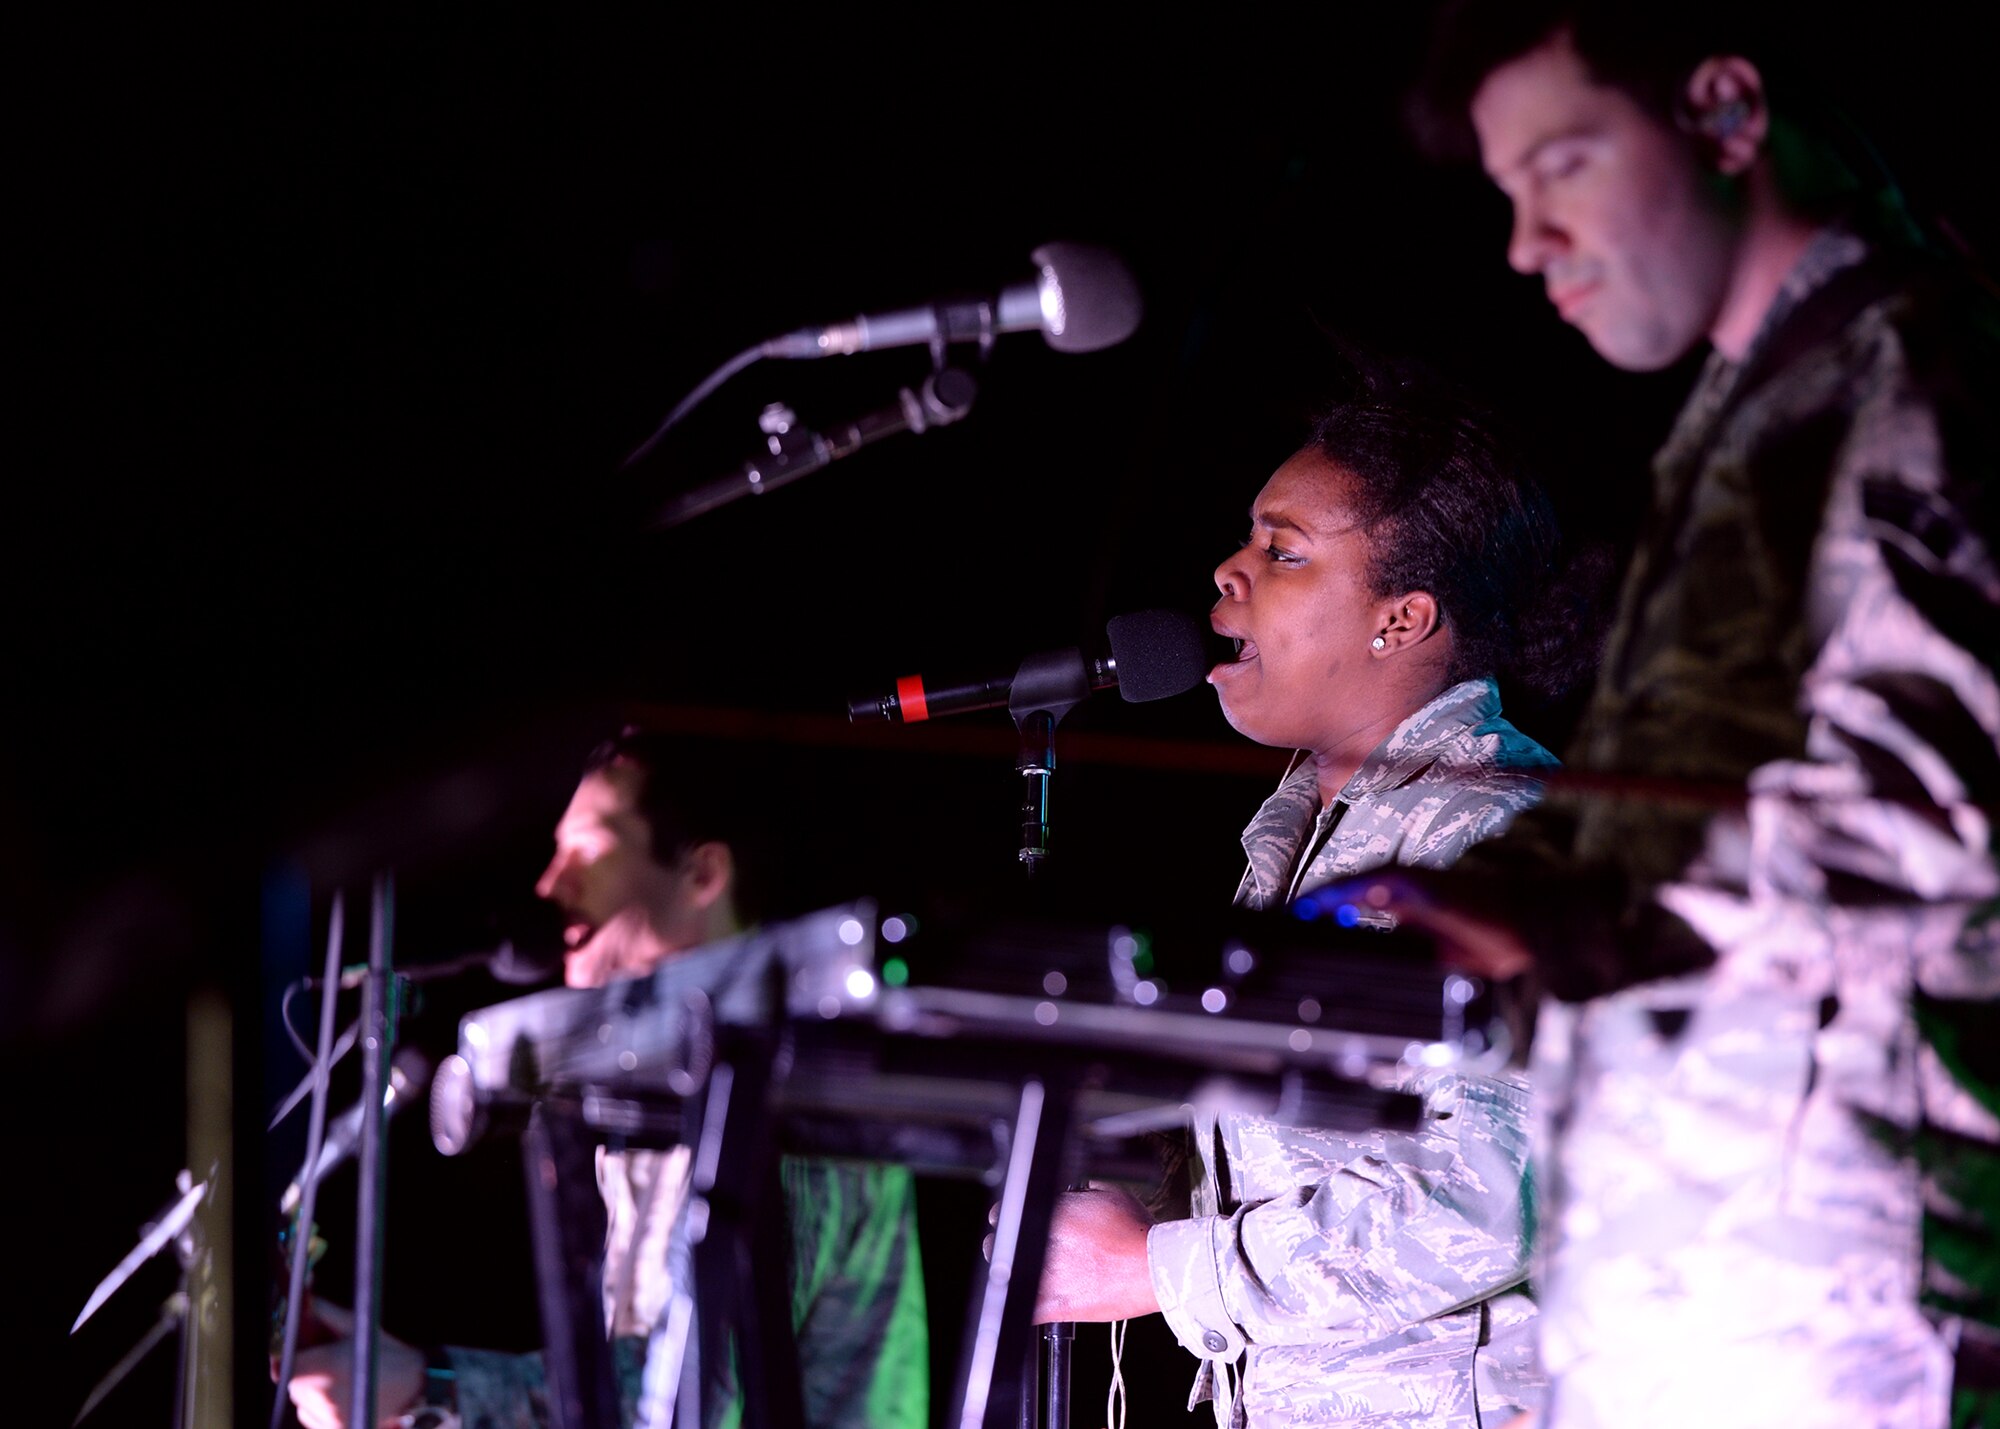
1096, 1266
322, 1384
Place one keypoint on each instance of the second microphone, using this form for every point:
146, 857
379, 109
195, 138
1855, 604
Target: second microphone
1153, 654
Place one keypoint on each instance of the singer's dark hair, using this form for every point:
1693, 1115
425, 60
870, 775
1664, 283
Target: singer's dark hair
1452, 505
1648, 51
692, 793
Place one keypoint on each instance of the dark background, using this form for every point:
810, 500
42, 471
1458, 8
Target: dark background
318, 561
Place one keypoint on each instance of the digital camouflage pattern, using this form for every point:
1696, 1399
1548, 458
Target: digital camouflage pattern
1369, 1279
857, 1296
1738, 1107
1453, 773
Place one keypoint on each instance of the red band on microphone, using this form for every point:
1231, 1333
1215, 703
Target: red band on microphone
910, 699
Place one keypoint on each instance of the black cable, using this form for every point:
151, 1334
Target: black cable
297, 986
693, 399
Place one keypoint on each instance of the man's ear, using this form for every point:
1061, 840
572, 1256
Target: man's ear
1406, 621
711, 872
1725, 109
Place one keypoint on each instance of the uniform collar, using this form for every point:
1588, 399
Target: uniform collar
1833, 251
1272, 840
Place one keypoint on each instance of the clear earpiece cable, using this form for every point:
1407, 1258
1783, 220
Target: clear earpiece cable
1114, 1400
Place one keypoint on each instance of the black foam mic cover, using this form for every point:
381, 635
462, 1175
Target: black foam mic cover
1160, 652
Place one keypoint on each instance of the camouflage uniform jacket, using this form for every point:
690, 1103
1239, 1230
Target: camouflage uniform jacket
1749, 1061
1366, 1278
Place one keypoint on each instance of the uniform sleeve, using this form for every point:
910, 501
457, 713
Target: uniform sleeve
1398, 1229
1895, 796
1893, 799
1594, 929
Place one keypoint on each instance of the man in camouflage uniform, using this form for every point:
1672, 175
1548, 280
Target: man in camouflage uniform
645, 868
1368, 1278
1758, 1091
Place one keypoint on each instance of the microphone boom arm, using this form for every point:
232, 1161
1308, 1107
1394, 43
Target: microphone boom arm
795, 451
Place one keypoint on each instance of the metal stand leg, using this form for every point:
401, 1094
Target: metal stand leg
741, 1271
1057, 1339
378, 1034
567, 1219
1002, 1334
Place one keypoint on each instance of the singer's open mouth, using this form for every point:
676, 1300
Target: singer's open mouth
576, 934
1243, 652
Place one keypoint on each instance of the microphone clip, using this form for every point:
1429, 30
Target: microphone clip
969, 320
974, 319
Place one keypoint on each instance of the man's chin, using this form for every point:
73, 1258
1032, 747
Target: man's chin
1633, 347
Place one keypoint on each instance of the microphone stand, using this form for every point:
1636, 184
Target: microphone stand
793, 450
378, 1033
1046, 687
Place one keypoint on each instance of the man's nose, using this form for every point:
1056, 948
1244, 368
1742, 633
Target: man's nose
551, 879
1533, 239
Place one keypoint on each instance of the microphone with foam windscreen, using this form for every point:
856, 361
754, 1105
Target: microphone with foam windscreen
1152, 654
1159, 653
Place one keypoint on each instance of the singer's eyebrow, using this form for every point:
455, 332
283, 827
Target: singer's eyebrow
1280, 520
1276, 521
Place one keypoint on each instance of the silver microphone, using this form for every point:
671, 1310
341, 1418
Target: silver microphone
1081, 298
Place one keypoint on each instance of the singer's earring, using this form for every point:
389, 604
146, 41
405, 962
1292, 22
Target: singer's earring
1379, 643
